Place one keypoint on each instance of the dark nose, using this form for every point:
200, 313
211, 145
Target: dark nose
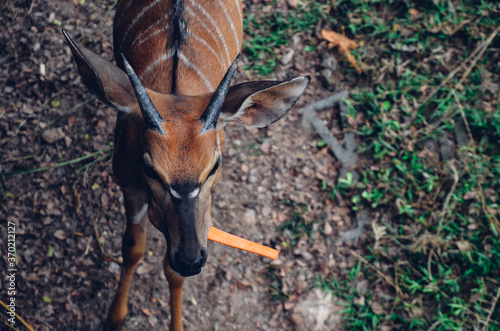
189, 264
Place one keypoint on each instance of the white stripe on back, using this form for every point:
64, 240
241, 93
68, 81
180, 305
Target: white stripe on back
217, 30
146, 32
151, 66
190, 12
136, 19
230, 20
210, 49
193, 67
240, 14
118, 21
153, 34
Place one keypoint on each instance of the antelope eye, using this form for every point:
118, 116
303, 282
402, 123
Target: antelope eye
150, 172
214, 169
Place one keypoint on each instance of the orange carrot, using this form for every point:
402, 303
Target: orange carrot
240, 243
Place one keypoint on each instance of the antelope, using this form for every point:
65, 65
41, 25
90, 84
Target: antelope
171, 89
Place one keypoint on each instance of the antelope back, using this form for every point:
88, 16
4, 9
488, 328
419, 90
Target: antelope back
181, 46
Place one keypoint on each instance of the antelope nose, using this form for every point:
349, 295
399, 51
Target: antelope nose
187, 265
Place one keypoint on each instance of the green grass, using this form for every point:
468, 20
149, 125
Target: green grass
268, 33
297, 226
96, 156
441, 245
432, 260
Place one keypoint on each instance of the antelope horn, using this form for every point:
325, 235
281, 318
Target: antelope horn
152, 117
211, 114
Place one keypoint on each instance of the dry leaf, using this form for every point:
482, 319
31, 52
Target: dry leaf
244, 284
344, 44
153, 320
377, 308
470, 195
328, 230
146, 312
413, 13
60, 234
52, 135
293, 3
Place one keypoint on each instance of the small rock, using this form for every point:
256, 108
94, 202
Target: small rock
42, 69
243, 284
249, 218
328, 229
292, 3
445, 147
144, 268
152, 320
461, 133
287, 58
360, 301
276, 264
232, 151
266, 211
265, 147
377, 308
329, 61
52, 135
60, 234
114, 268
330, 66
52, 17
362, 287
316, 311
327, 79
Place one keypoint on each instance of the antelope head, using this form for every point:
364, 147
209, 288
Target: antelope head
173, 144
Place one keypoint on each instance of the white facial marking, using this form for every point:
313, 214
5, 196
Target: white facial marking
138, 217
194, 194
175, 194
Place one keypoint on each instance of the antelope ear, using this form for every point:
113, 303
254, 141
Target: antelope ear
103, 79
258, 104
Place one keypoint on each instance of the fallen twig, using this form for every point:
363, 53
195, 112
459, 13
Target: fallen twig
62, 164
491, 218
381, 274
493, 304
479, 52
476, 55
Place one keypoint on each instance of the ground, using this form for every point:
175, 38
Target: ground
64, 281
388, 201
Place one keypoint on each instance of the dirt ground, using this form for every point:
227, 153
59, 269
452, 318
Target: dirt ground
64, 280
